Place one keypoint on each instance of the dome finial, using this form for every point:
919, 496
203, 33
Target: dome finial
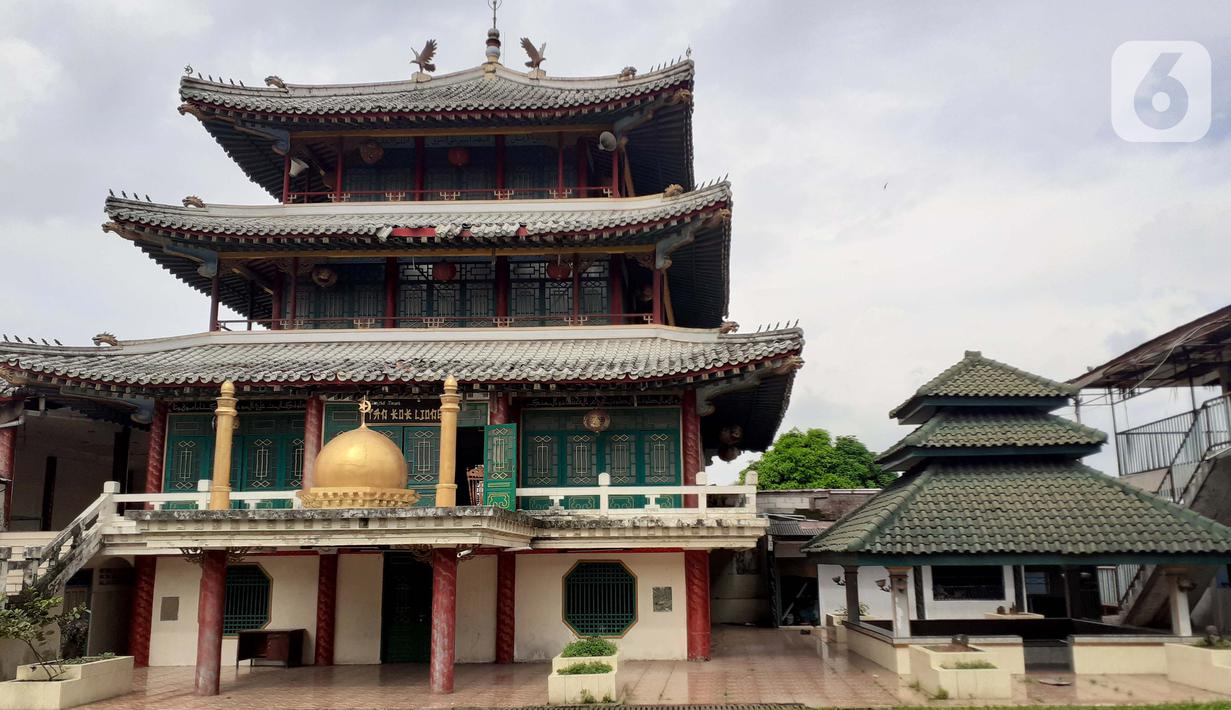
365, 406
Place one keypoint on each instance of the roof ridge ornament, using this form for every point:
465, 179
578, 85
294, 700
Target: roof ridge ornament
493, 41
424, 60
537, 57
275, 81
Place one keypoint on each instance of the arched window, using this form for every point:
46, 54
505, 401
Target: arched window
246, 604
600, 599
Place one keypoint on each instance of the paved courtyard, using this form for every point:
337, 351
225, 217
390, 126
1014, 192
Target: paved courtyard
750, 666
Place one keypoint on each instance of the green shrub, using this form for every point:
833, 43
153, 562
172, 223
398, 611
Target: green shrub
971, 665
591, 646
587, 668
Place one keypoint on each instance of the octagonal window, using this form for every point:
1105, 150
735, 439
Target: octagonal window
600, 598
246, 604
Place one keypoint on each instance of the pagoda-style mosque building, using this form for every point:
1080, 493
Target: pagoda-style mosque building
481, 363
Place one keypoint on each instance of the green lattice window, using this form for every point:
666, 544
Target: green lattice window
246, 604
641, 448
600, 599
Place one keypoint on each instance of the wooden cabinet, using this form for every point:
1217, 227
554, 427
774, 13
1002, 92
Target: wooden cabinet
283, 646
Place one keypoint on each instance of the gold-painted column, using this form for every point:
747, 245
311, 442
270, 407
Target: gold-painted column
446, 490
224, 431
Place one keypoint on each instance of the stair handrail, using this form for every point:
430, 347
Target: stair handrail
1198, 424
84, 528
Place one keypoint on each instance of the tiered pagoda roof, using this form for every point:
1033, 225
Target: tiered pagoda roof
993, 478
465, 226
636, 357
253, 124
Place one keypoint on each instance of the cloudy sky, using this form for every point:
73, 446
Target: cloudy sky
911, 179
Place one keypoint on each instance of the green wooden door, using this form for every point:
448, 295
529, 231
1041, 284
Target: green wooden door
406, 613
500, 466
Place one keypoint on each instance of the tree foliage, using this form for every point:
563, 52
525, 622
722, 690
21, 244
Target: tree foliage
30, 616
813, 459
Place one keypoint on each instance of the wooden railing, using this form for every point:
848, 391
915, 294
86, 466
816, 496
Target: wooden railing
440, 322
450, 195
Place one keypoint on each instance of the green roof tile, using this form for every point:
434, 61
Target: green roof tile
977, 376
994, 428
1019, 508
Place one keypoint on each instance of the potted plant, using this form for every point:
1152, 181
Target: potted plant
584, 672
53, 681
958, 670
1205, 664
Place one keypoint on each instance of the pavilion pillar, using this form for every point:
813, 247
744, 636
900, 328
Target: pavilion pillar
444, 619
8, 469
142, 613
214, 296
616, 274
697, 591
502, 286
391, 292
209, 620
690, 424
446, 490
506, 606
224, 433
326, 608
156, 451
313, 424
851, 574
501, 409
1178, 585
899, 583
656, 300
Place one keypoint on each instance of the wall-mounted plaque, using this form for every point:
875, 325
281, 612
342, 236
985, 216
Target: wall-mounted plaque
662, 598
404, 411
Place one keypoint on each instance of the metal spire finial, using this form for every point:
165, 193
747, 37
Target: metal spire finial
493, 38
494, 5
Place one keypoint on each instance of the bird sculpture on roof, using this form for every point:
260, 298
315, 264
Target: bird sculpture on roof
537, 56
424, 58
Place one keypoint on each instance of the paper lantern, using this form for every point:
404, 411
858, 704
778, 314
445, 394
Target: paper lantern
459, 157
596, 420
444, 271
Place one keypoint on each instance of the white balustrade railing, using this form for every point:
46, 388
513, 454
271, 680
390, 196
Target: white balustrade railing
745, 498
200, 497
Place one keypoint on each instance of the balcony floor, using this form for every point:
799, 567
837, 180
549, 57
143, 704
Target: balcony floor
750, 666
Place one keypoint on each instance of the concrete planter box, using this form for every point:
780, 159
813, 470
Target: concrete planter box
929, 668
577, 689
1205, 668
80, 684
559, 663
836, 632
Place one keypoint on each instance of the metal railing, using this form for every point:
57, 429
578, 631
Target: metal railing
1208, 433
1151, 446
440, 322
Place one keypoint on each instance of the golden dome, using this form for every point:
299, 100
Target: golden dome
360, 458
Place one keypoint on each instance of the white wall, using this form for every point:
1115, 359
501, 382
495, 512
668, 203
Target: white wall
476, 609
292, 605
356, 637
833, 596
541, 631
965, 609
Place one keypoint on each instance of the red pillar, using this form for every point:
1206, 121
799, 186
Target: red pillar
155, 453
286, 177
313, 423
615, 172
500, 161
326, 606
290, 302
444, 619
213, 301
142, 610
8, 468
697, 589
420, 166
275, 305
501, 409
391, 292
209, 620
506, 591
616, 296
583, 169
560, 164
690, 430
502, 286
656, 304
337, 178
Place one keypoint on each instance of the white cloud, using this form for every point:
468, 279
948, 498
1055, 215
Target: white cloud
29, 77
